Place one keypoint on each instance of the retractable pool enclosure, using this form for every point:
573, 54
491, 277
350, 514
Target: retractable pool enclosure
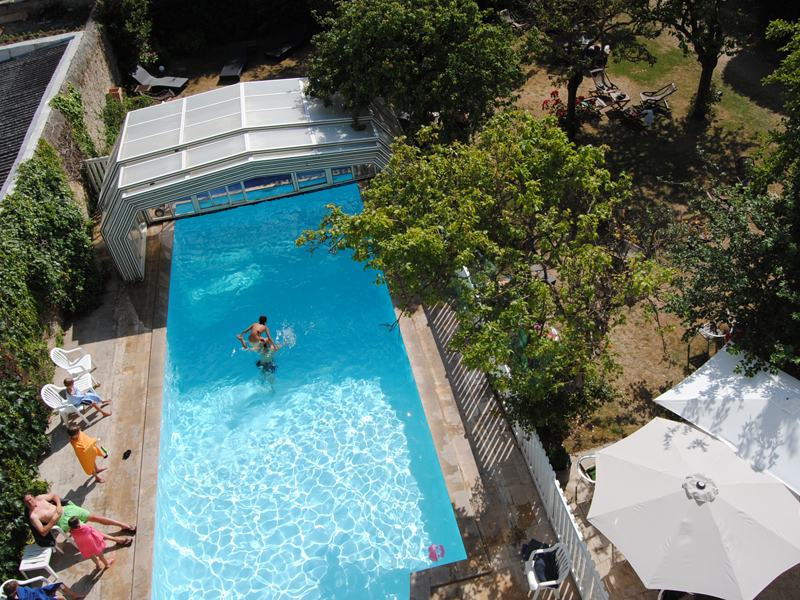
231, 146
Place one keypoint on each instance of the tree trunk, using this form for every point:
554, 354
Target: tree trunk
704, 97
572, 96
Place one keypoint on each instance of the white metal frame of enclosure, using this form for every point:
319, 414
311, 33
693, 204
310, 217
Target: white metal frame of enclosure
236, 145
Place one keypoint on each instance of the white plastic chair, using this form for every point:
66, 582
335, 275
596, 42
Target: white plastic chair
39, 579
51, 394
57, 531
564, 565
584, 472
37, 558
75, 362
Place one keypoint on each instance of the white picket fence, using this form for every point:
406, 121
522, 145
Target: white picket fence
96, 168
560, 516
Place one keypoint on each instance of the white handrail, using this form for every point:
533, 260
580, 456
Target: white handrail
560, 516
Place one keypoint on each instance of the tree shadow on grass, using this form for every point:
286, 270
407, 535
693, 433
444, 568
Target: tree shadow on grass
664, 159
639, 403
745, 74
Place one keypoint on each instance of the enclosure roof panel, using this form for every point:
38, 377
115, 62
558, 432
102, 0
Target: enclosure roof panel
280, 105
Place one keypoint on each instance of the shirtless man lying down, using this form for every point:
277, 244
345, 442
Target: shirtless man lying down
46, 510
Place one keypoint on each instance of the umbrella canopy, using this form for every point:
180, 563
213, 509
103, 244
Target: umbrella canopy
758, 416
690, 515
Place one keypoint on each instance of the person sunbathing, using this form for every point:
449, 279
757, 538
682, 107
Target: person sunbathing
46, 510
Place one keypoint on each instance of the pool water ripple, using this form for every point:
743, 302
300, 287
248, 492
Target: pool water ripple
317, 481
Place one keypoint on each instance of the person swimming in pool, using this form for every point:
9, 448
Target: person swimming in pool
256, 329
266, 362
266, 350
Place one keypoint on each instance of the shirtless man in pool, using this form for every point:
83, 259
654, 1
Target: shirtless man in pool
256, 329
44, 515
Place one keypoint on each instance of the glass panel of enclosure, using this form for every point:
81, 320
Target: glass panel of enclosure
137, 236
364, 171
183, 207
204, 200
236, 193
219, 196
253, 190
265, 187
309, 178
342, 174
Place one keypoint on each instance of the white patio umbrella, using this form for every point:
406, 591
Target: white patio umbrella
759, 416
690, 515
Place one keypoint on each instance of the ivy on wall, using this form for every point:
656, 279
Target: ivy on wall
70, 104
47, 266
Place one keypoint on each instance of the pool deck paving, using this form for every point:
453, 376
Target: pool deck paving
493, 497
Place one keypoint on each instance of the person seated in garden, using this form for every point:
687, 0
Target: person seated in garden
12, 590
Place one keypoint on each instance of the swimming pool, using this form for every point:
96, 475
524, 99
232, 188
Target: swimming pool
319, 480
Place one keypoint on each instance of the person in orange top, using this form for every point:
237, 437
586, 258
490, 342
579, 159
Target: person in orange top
87, 451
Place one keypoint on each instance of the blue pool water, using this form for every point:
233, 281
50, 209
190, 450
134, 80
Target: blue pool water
319, 480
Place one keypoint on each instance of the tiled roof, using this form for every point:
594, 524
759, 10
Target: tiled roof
23, 81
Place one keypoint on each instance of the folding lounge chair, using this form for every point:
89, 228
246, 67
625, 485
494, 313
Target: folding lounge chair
602, 84
296, 37
237, 57
638, 116
654, 99
160, 96
508, 18
144, 78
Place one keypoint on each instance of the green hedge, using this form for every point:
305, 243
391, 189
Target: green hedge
47, 267
114, 112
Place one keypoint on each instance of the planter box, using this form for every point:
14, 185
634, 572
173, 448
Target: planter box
115, 93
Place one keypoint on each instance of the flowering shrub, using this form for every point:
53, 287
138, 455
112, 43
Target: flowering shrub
148, 57
557, 108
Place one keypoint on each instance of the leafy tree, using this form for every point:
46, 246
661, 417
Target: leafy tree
425, 57
129, 28
712, 28
564, 29
741, 266
784, 162
47, 225
741, 257
518, 203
